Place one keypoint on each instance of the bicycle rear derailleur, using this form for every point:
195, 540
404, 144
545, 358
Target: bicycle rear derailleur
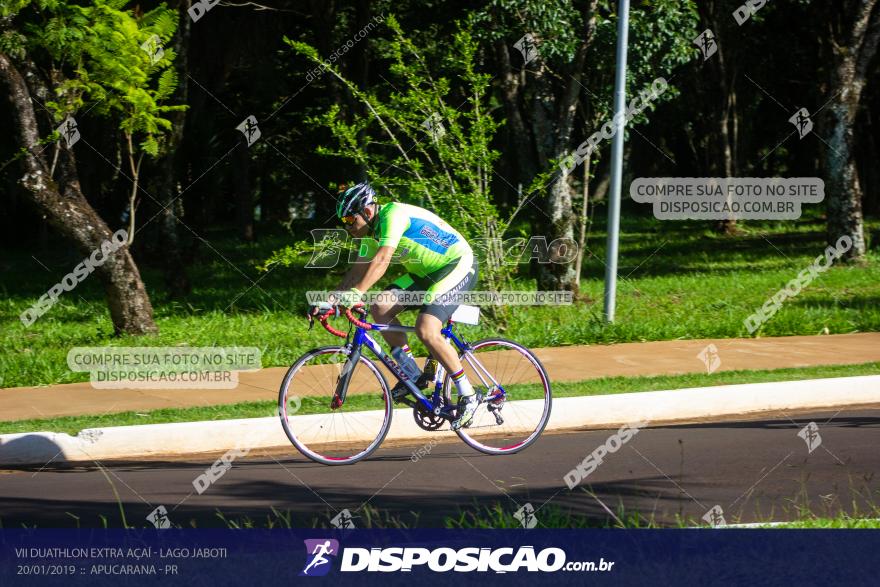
494, 407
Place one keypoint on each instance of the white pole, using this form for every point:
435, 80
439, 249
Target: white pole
616, 161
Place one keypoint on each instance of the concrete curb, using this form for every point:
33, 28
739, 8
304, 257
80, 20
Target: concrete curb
655, 407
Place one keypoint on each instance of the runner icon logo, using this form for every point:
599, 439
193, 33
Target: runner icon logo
250, 130
343, 520
706, 44
710, 358
528, 47
802, 122
526, 516
159, 518
69, 130
810, 434
318, 553
715, 517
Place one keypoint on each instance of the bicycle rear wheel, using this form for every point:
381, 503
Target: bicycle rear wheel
515, 396
315, 422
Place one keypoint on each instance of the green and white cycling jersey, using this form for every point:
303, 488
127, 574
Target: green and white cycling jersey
423, 242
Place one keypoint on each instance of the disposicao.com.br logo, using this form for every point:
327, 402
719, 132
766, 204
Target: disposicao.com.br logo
442, 559
318, 551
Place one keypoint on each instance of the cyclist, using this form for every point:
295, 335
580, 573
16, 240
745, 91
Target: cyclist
438, 261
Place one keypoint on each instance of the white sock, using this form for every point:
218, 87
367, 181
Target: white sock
464, 386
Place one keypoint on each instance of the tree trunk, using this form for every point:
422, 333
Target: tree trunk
582, 232
858, 34
843, 191
558, 220
559, 275
722, 146
552, 130
68, 211
167, 179
518, 135
244, 203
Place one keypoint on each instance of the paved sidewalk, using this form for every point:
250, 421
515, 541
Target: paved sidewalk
573, 363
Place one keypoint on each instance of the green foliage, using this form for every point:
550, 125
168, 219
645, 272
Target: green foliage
556, 25
423, 139
329, 247
13, 44
660, 40
682, 281
12, 7
105, 54
660, 34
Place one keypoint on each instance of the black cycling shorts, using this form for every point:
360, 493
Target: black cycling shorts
458, 276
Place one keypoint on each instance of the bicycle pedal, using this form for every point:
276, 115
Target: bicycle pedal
399, 392
424, 381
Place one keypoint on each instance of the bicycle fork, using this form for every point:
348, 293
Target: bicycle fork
344, 379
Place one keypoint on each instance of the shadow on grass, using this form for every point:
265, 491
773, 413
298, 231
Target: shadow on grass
229, 280
853, 303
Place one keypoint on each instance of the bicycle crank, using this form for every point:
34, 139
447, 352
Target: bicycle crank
427, 420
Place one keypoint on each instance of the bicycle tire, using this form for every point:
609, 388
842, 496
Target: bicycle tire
299, 442
545, 414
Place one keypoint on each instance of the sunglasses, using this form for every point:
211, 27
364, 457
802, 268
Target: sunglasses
348, 220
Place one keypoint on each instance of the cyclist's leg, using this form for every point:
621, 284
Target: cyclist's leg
428, 329
433, 316
386, 312
462, 277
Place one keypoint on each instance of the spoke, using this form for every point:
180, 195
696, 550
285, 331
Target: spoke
506, 364
335, 431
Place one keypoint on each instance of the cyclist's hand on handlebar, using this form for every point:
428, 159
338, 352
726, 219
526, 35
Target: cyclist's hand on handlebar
322, 308
347, 298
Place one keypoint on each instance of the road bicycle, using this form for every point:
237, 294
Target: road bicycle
336, 406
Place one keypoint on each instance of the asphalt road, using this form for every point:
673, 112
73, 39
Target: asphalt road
753, 470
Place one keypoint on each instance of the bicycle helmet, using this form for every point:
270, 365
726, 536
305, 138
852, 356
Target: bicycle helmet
354, 199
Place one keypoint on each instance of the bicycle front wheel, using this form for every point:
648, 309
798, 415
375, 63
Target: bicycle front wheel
515, 396
317, 424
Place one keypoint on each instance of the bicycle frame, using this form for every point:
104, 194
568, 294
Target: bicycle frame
362, 339
321, 439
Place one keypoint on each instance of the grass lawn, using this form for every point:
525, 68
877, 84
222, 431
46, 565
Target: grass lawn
606, 385
842, 522
554, 517
500, 516
678, 280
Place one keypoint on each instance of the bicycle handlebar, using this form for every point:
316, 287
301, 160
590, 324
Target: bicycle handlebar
322, 318
355, 321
